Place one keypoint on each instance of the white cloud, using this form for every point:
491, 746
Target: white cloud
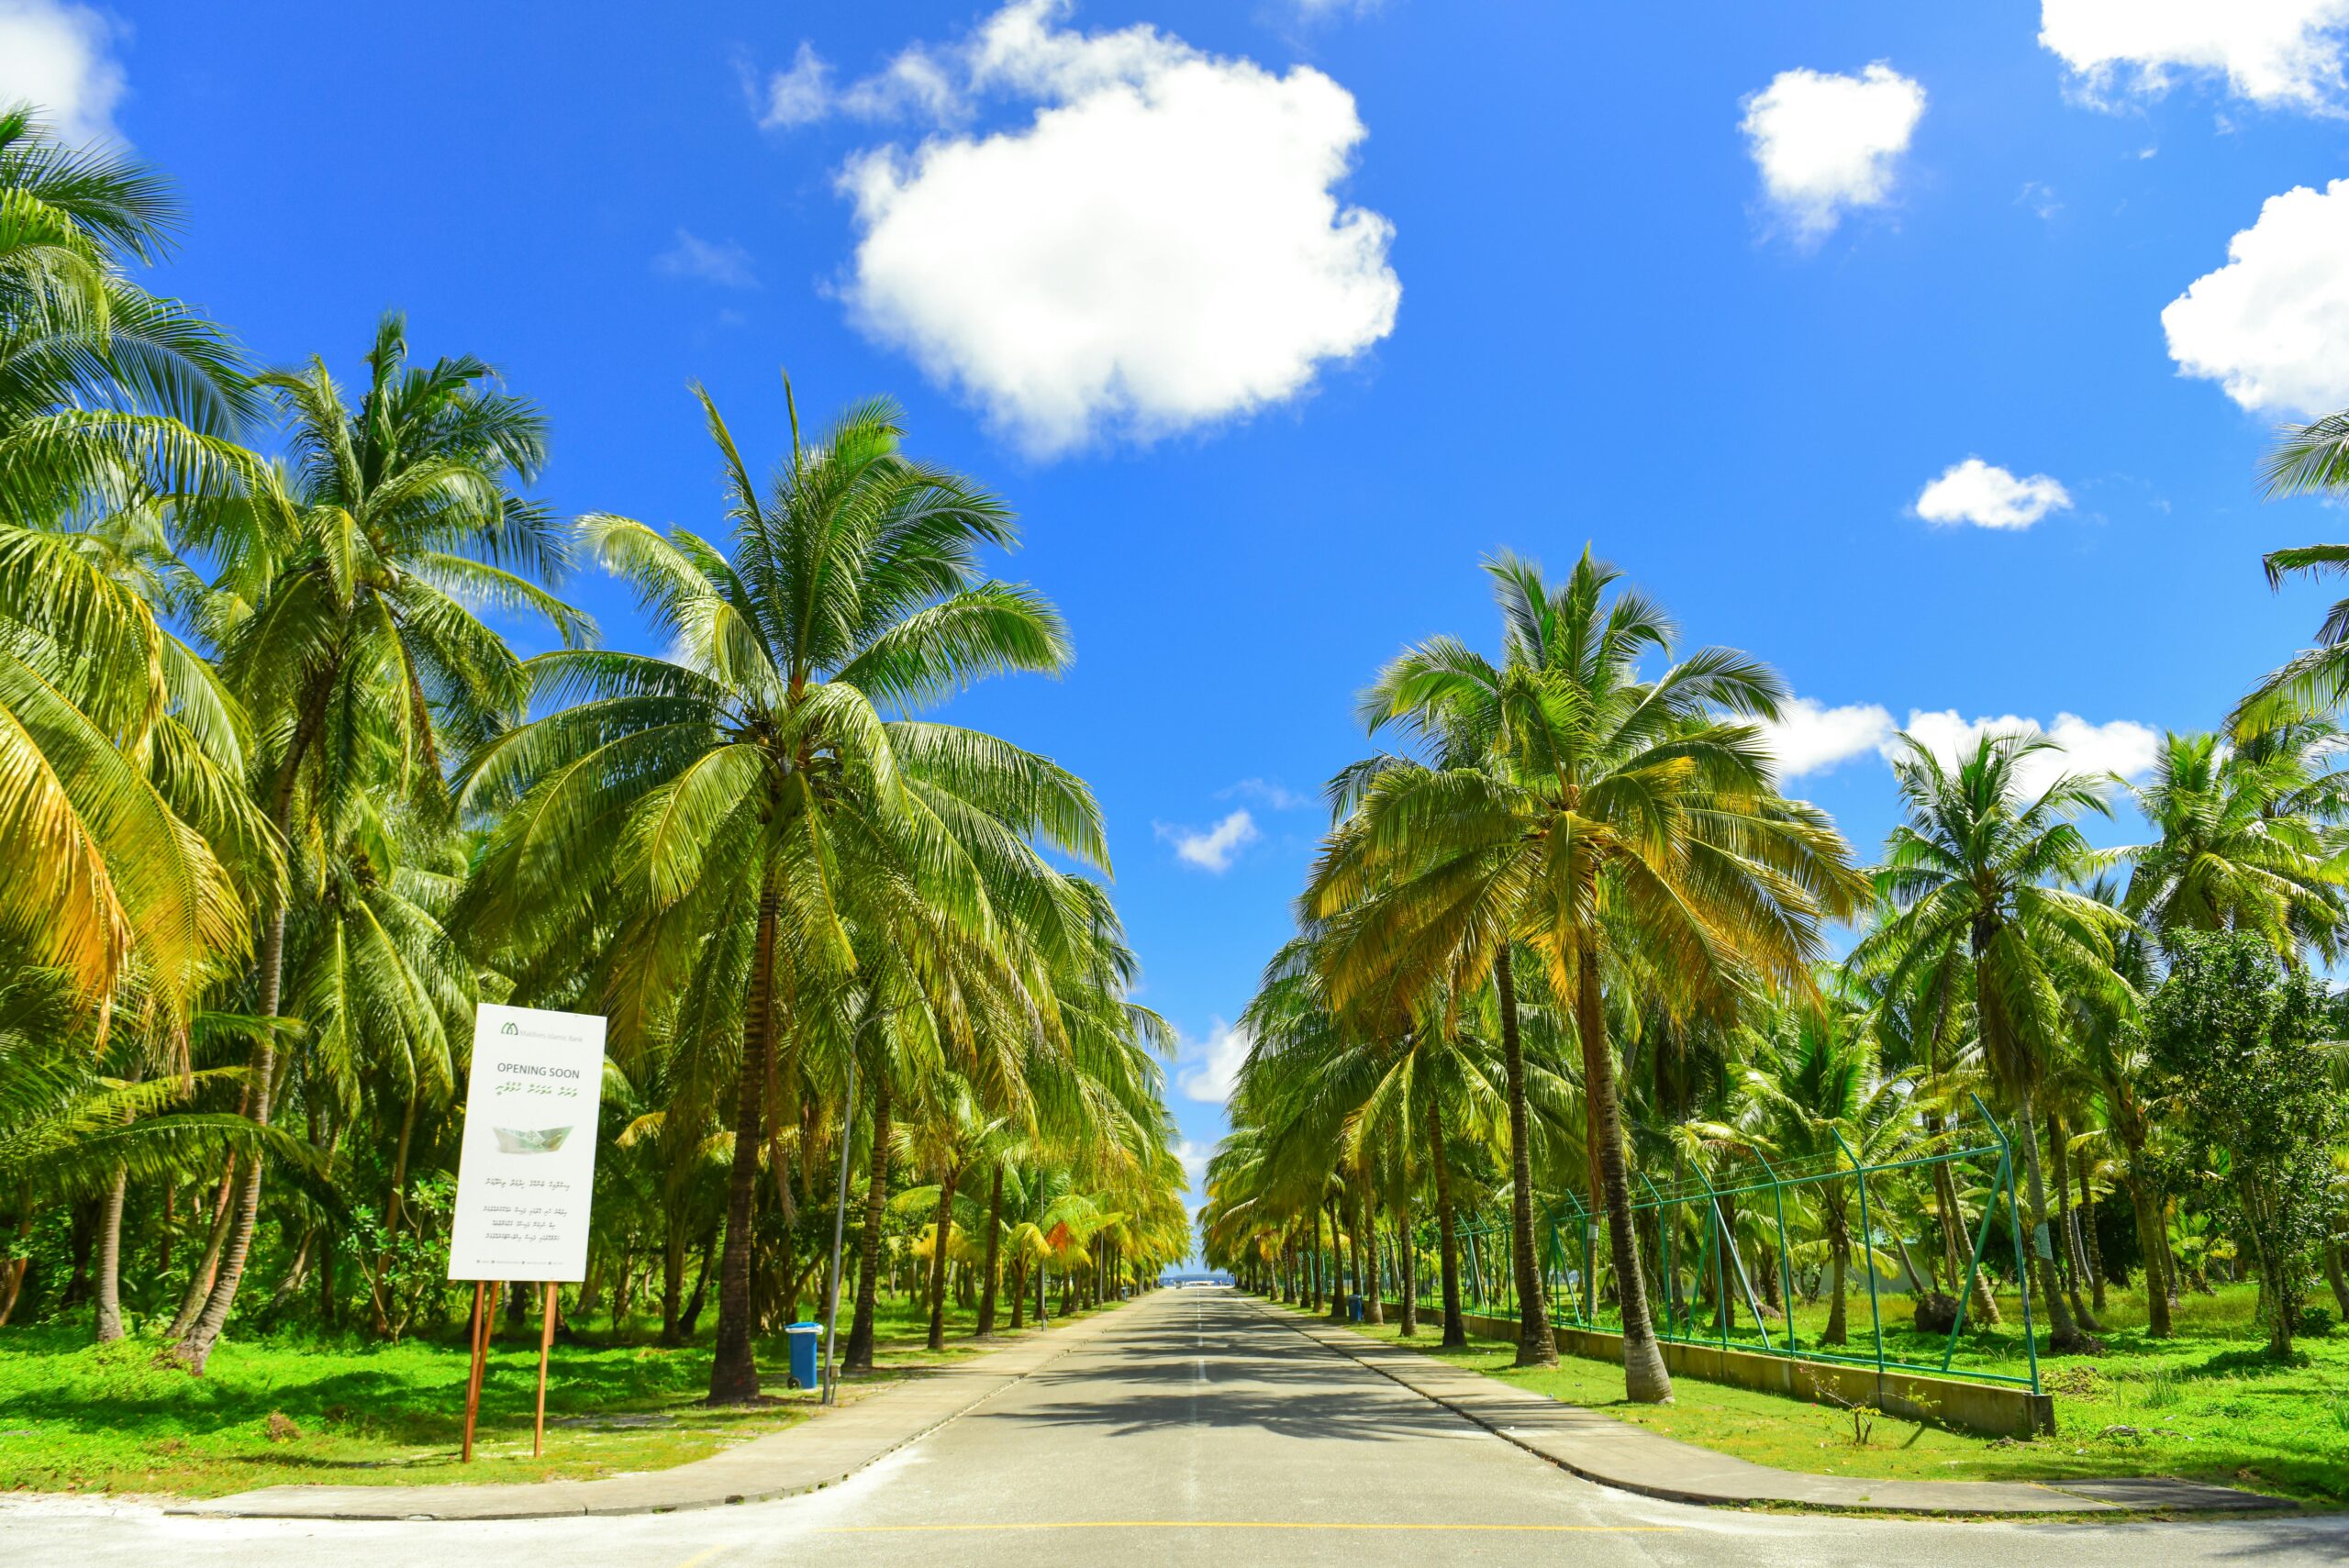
1193, 1156
722, 262
1214, 848
800, 95
1826, 143
1809, 737
1988, 496
1215, 1064
2117, 747
2273, 53
1161, 247
57, 58
2272, 325
1277, 796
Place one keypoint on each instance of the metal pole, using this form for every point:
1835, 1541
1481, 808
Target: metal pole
2023, 1264
840, 1223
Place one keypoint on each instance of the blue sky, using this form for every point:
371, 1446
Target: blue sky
1272, 320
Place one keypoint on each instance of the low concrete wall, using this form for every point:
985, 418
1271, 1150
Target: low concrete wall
1977, 1407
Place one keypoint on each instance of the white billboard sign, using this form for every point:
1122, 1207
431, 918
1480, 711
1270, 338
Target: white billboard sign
525, 1172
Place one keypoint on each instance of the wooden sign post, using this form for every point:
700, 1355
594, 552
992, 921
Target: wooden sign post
546, 1293
526, 1173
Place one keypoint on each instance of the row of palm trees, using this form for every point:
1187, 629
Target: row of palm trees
1572, 931
280, 804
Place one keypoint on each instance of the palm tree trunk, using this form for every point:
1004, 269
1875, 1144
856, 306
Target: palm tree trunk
1455, 1331
734, 1366
939, 1235
2151, 1247
673, 1273
2067, 1220
2337, 1277
1839, 1251
195, 1349
394, 1203
109, 1313
1535, 1344
1374, 1288
2064, 1335
1984, 1312
2087, 1217
1338, 1269
1407, 1265
1645, 1380
1018, 1285
1314, 1244
859, 1354
994, 1235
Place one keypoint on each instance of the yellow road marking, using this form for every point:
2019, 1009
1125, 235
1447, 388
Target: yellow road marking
1239, 1524
698, 1558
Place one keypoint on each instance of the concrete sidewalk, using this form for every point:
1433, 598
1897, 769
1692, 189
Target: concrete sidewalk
1599, 1448
823, 1450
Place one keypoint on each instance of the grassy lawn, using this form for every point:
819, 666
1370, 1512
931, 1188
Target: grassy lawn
73, 1417
2206, 1405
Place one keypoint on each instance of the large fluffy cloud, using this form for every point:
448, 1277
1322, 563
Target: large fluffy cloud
2275, 52
1989, 496
1826, 143
1161, 246
58, 58
2272, 325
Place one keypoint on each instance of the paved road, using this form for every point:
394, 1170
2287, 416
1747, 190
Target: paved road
1198, 1428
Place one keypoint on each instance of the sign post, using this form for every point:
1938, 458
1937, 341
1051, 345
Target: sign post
525, 1172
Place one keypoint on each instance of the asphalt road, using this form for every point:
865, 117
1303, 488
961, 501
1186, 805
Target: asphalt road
1198, 1428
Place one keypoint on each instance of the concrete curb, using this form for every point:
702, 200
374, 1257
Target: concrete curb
1599, 1447
819, 1452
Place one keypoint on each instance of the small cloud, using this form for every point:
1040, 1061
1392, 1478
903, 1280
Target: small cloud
59, 58
1988, 496
1215, 1064
1214, 849
800, 96
1272, 794
724, 263
1809, 737
1826, 144
1193, 1156
2039, 198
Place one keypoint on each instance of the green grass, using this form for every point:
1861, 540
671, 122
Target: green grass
2207, 1404
74, 1417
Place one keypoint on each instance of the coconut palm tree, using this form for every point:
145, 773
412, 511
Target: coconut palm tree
1976, 869
344, 613
752, 784
1605, 816
2234, 850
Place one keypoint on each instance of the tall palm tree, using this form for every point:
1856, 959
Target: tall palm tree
1603, 817
752, 782
1974, 875
2234, 849
344, 611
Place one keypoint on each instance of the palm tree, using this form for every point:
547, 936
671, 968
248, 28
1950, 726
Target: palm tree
2234, 850
1603, 817
105, 389
1973, 875
751, 783
343, 613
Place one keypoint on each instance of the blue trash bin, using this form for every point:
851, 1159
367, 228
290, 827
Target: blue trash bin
807, 1353
1354, 1308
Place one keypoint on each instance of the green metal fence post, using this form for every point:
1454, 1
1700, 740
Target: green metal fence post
2023, 1264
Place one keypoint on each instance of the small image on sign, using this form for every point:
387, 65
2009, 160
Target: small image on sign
529, 1141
